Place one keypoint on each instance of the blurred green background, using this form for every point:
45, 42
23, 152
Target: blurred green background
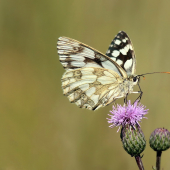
39, 128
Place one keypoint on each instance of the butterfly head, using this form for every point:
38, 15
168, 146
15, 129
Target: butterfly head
134, 78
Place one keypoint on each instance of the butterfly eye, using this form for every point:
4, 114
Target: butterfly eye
134, 79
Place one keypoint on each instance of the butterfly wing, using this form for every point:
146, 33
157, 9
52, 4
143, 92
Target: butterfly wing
74, 54
92, 88
92, 79
121, 51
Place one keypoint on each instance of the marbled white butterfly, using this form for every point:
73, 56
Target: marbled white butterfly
92, 79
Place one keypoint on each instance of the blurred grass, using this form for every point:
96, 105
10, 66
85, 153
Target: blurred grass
39, 128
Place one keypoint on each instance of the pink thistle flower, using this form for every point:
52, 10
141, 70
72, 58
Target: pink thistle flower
129, 114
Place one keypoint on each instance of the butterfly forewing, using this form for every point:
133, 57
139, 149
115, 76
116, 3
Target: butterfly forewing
74, 55
121, 51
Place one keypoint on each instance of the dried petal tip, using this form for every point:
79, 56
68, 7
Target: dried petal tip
160, 139
129, 114
133, 140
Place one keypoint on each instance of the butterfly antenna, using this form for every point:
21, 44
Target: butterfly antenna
153, 73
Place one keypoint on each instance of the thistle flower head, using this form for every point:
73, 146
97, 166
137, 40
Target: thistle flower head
133, 139
160, 139
129, 114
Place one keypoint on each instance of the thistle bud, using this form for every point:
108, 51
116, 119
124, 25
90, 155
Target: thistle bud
133, 139
160, 139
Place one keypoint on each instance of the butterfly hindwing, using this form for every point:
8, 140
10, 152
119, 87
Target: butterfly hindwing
121, 51
92, 88
74, 54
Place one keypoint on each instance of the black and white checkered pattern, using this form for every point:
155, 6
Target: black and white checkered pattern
121, 51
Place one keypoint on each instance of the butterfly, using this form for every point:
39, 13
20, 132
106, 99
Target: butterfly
92, 79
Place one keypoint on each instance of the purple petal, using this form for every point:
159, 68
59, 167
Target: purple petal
127, 114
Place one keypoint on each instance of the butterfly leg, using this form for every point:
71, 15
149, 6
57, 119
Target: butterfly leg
114, 102
125, 99
141, 93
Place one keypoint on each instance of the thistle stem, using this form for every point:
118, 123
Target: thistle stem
158, 160
139, 162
